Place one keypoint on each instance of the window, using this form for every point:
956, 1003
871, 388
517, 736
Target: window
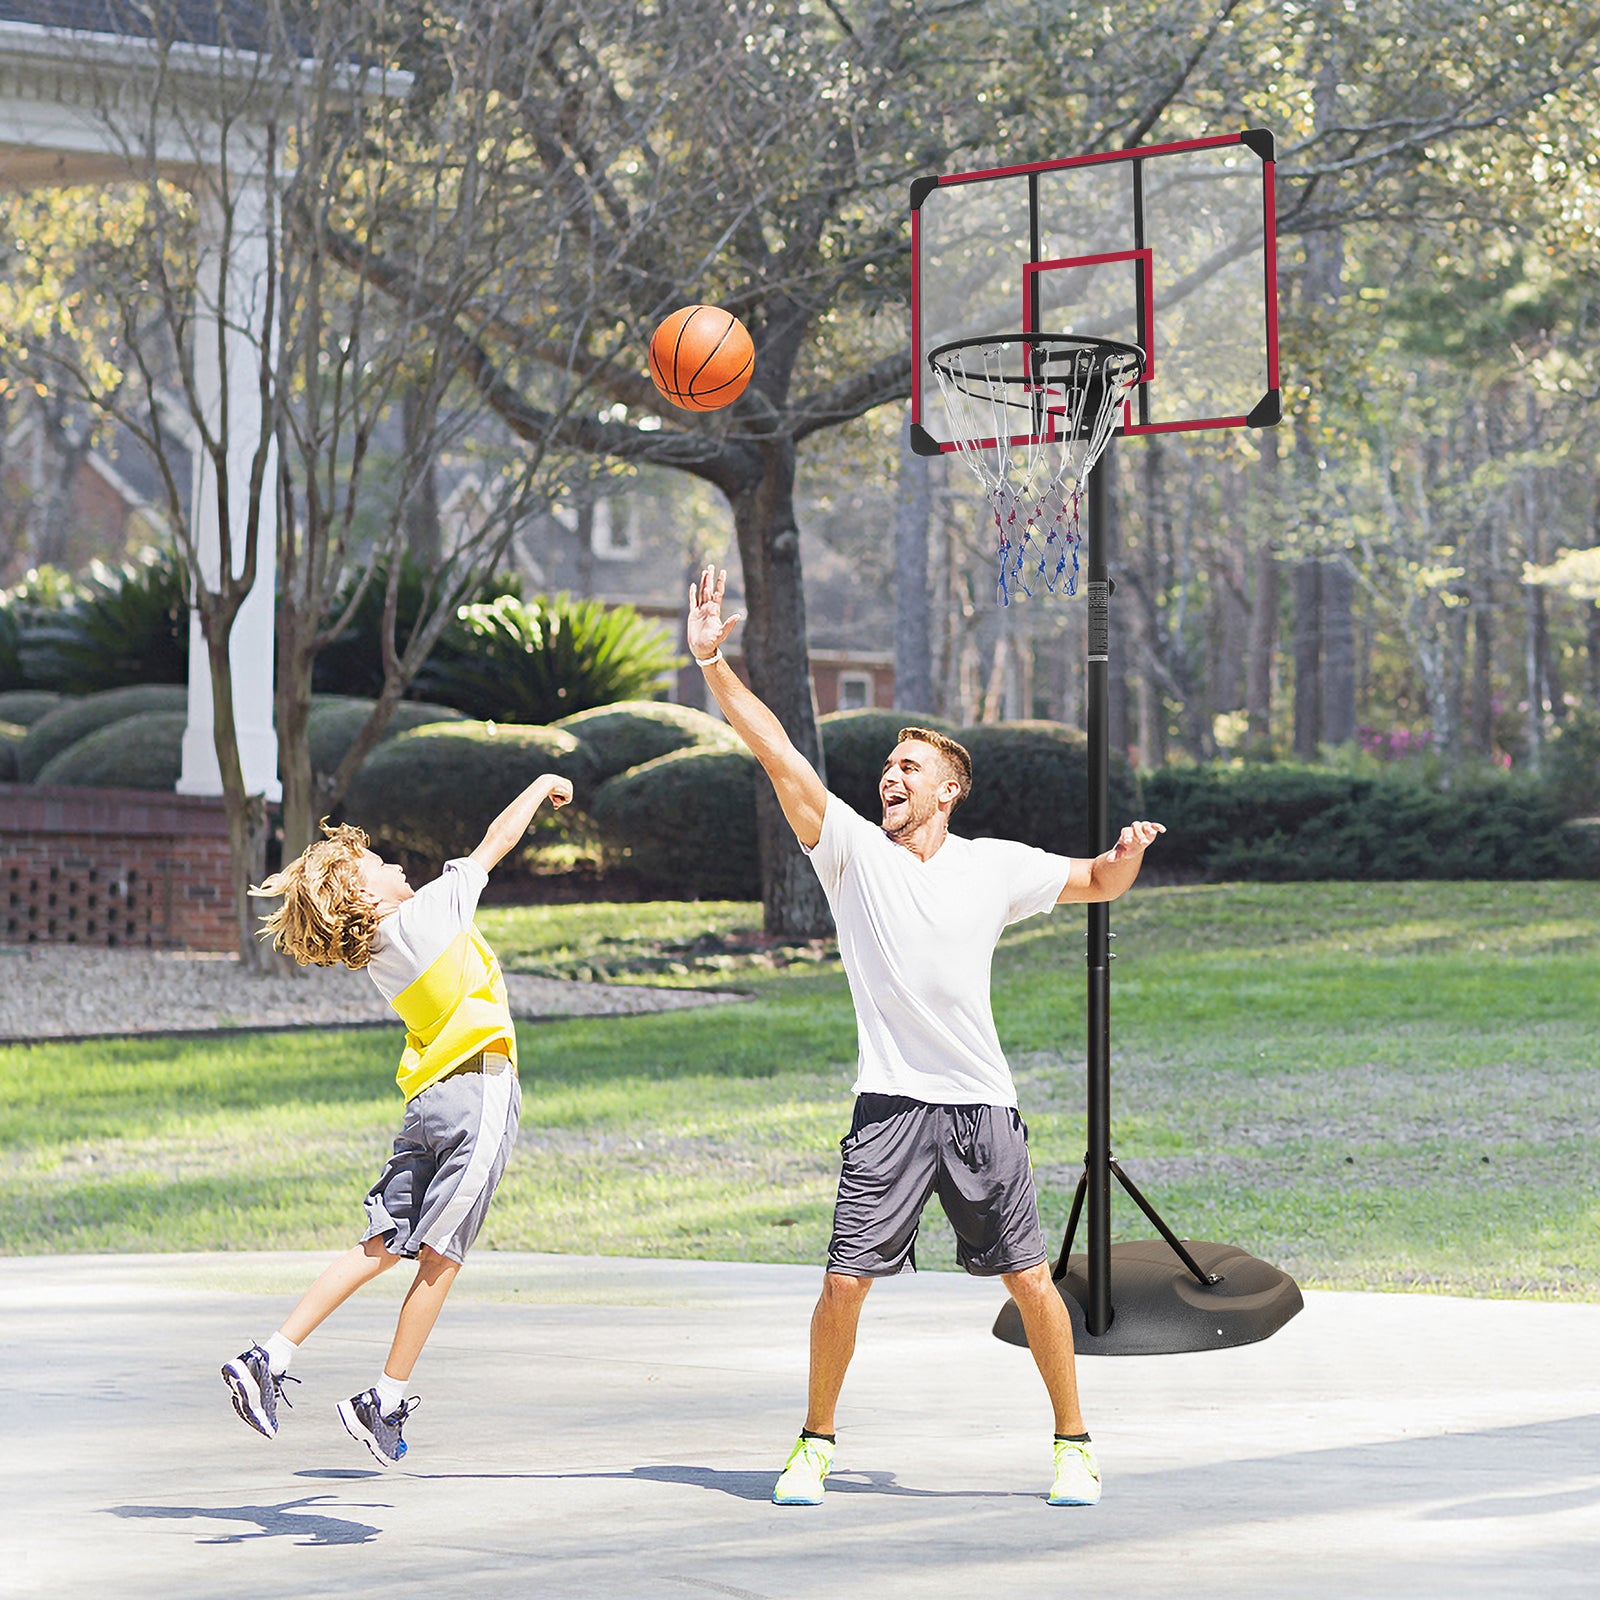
616, 529
855, 691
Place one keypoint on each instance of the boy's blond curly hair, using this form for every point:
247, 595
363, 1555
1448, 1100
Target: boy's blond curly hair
325, 917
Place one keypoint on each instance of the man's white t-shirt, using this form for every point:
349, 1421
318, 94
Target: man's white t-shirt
412, 938
917, 939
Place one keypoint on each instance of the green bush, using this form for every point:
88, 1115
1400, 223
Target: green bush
686, 823
11, 735
26, 706
56, 730
129, 624
632, 732
855, 745
1284, 822
1030, 781
534, 661
1572, 765
144, 751
430, 793
336, 719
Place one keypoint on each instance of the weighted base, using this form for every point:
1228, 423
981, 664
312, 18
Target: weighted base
1158, 1308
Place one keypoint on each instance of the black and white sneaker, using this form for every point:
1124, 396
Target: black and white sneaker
363, 1419
256, 1390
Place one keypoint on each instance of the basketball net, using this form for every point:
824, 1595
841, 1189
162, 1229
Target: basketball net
1030, 414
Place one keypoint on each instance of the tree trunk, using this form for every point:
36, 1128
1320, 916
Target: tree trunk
1307, 659
1338, 653
424, 534
913, 655
793, 904
1482, 676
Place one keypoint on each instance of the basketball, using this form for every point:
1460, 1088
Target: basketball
701, 358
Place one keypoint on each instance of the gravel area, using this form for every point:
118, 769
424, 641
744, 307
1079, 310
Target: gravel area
77, 991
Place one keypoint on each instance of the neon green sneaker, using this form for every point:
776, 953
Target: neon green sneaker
1077, 1475
800, 1482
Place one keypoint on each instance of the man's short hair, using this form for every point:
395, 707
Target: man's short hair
957, 763
326, 916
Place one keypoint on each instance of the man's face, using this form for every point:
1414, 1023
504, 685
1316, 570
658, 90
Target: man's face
383, 882
910, 786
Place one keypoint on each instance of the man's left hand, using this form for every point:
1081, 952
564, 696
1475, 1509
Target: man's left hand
1134, 840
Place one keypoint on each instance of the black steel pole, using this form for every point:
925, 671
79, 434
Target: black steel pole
1097, 1159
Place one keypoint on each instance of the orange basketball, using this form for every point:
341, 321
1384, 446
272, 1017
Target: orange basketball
701, 358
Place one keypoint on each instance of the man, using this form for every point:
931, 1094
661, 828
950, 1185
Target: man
919, 912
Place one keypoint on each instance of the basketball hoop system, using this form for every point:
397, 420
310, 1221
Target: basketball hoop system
1030, 414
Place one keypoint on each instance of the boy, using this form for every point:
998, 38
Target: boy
341, 903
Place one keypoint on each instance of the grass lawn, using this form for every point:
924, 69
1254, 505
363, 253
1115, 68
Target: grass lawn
1373, 1085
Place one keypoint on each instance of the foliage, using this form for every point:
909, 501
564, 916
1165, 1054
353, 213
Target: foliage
1572, 765
26, 706
11, 735
1287, 822
352, 662
533, 661
128, 624
855, 745
59, 729
30, 612
431, 793
686, 823
1029, 782
631, 732
337, 719
143, 751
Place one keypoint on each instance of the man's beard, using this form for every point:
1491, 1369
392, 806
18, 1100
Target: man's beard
911, 818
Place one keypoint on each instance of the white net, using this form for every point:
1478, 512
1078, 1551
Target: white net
1030, 414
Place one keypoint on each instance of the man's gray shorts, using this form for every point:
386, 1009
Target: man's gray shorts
448, 1156
898, 1152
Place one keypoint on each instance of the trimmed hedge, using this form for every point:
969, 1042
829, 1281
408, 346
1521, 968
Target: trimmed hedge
144, 751
336, 719
632, 732
1030, 781
685, 823
855, 744
433, 791
26, 706
63, 727
1283, 822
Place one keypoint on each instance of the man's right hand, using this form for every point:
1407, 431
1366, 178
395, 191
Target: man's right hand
706, 629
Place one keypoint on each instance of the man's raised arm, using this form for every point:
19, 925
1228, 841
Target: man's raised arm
800, 791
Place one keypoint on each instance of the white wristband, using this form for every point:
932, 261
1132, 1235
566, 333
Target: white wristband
710, 661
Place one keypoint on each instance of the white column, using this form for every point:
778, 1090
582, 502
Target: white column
233, 292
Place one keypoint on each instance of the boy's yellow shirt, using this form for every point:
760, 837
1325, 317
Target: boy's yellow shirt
452, 1011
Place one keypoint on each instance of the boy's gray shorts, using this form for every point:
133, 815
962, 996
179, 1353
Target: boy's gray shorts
448, 1157
898, 1152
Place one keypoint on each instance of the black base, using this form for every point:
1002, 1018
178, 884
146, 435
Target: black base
1158, 1307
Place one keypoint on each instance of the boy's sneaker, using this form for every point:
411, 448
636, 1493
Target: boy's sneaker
363, 1419
800, 1482
1077, 1475
256, 1389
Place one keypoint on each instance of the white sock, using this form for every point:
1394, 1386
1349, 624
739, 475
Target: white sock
280, 1352
391, 1392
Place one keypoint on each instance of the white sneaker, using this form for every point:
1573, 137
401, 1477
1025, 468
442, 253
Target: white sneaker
1077, 1475
800, 1482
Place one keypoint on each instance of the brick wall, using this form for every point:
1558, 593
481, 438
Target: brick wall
114, 867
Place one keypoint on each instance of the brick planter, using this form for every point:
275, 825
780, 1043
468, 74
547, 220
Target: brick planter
114, 867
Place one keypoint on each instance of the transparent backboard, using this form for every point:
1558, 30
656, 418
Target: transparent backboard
1169, 247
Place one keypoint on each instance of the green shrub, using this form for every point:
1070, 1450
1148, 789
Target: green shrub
144, 751
26, 706
632, 732
1030, 781
56, 730
1572, 765
855, 745
430, 793
534, 661
129, 624
11, 735
1284, 822
686, 823
336, 719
